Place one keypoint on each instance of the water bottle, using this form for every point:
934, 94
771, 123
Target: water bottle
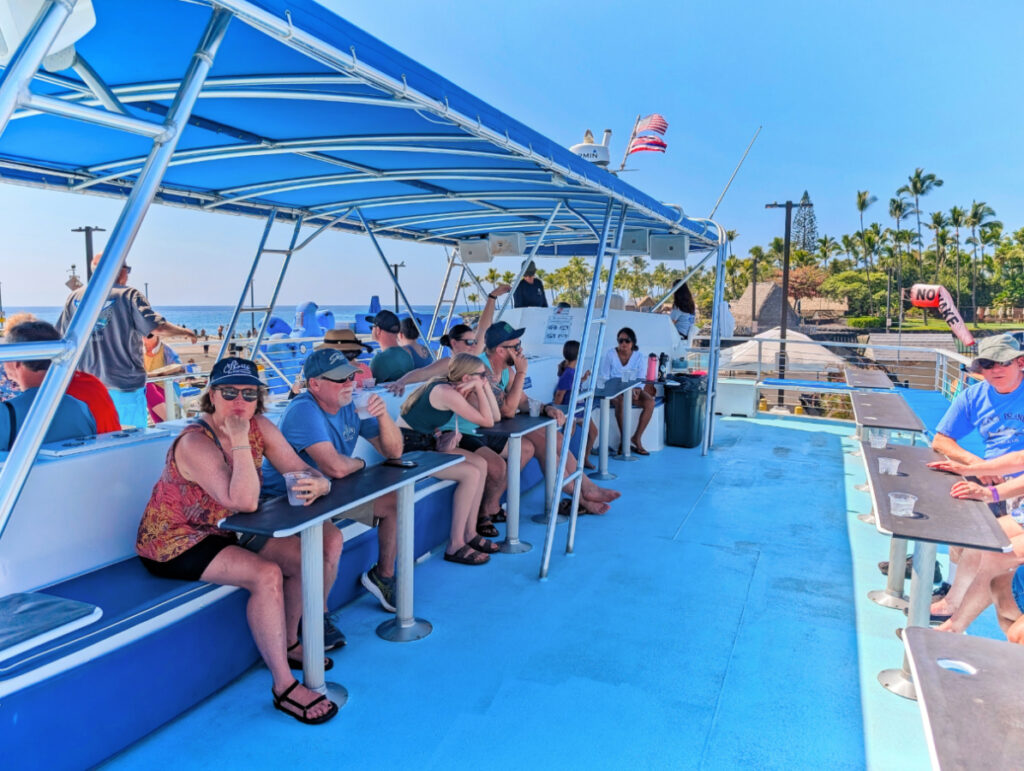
652, 367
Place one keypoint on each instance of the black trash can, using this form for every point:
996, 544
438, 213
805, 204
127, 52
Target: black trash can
684, 409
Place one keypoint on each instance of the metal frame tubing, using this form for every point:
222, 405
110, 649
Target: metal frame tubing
29, 56
387, 268
23, 454
528, 260
277, 288
549, 537
245, 287
715, 349
588, 407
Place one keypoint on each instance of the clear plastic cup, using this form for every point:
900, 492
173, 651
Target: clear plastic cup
889, 466
361, 401
290, 480
877, 438
535, 406
902, 504
368, 382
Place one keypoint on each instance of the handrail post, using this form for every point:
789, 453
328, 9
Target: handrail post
277, 288
23, 454
716, 346
224, 346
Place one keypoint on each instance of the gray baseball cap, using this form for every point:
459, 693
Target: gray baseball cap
998, 348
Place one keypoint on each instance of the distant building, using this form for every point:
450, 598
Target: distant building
817, 309
768, 312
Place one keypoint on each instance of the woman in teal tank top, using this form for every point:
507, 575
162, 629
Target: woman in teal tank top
464, 392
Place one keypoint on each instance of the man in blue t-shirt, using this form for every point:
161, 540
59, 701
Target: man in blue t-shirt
323, 426
995, 409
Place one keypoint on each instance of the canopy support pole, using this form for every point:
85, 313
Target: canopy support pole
575, 392
30, 54
230, 331
23, 454
391, 275
528, 260
715, 347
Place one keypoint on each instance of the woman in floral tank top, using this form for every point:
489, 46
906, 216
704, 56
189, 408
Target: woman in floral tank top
213, 470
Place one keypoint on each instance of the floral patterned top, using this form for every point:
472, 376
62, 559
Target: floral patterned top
180, 513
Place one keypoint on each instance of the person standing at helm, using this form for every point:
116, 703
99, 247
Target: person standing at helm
113, 352
530, 292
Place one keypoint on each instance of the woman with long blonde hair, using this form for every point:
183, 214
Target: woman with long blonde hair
463, 392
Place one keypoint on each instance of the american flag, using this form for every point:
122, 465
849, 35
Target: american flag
653, 122
646, 144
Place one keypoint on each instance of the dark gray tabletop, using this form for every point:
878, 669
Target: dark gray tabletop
614, 386
973, 713
891, 411
517, 426
276, 518
940, 518
859, 377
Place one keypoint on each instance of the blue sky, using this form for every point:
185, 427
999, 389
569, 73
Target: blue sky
852, 96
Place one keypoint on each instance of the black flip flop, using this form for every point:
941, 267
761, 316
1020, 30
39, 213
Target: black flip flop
284, 698
485, 527
297, 663
637, 450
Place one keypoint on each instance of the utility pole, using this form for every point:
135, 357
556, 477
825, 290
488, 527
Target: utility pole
88, 230
753, 298
394, 268
788, 206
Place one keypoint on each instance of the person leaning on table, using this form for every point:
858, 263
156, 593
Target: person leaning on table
213, 471
995, 409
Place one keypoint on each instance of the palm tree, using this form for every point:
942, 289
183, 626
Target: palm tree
864, 200
730, 236
899, 208
827, 246
957, 220
977, 216
919, 184
938, 224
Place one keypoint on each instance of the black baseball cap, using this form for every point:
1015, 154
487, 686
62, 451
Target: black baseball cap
234, 370
500, 333
387, 321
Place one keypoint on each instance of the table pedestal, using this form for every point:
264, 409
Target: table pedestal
312, 549
602, 472
892, 595
512, 544
625, 450
899, 681
404, 627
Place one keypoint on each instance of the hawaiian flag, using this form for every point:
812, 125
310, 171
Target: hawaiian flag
654, 122
646, 144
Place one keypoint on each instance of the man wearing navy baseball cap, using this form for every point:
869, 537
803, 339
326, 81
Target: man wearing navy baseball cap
323, 425
392, 361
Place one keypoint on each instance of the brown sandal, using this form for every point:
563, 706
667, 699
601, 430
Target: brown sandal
485, 527
483, 545
467, 555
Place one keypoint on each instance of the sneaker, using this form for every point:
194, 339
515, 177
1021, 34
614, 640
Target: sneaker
941, 592
883, 568
333, 637
380, 587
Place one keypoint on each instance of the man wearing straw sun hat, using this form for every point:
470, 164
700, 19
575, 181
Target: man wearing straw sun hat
345, 340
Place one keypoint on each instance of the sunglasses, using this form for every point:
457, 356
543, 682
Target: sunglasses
516, 347
987, 364
229, 394
466, 340
340, 380
352, 355
625, 340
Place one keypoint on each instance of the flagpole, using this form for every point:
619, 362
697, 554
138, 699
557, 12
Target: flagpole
629, 144
734, 171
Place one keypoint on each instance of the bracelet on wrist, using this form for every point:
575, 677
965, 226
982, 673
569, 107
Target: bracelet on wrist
241, 447
995, 494
492, 297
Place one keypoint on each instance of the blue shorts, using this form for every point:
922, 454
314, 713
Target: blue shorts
131, 406
1018, 587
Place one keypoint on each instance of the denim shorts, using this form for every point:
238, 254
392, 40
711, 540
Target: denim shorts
1018, 587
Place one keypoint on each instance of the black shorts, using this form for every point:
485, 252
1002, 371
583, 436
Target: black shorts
189, 565
473, 442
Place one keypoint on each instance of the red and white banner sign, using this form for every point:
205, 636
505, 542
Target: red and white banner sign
935, 296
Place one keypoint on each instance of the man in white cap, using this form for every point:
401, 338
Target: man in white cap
323, 427
995, 409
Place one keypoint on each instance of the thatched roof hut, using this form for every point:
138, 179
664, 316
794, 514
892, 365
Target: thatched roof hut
769, 307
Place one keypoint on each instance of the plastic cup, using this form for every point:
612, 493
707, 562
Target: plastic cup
877, 438
291, 478
535, 405
368, 382
902, 504
361, 401
889, 466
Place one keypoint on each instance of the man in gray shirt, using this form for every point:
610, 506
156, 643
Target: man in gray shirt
114, 350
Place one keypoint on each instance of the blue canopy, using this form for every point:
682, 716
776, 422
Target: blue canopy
306, 114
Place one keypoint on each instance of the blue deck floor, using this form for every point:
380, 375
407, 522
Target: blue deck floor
715, 619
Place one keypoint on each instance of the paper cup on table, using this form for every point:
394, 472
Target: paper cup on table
902, 504
535, 405
361, 401
889, 466
291, 478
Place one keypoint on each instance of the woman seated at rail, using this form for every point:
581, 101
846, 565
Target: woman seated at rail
462, 393
213, 470
625, 362
684, 311
408, 338
566, 374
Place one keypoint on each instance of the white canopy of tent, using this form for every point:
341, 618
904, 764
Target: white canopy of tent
802, 354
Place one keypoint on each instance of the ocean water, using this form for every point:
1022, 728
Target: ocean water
209, 317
